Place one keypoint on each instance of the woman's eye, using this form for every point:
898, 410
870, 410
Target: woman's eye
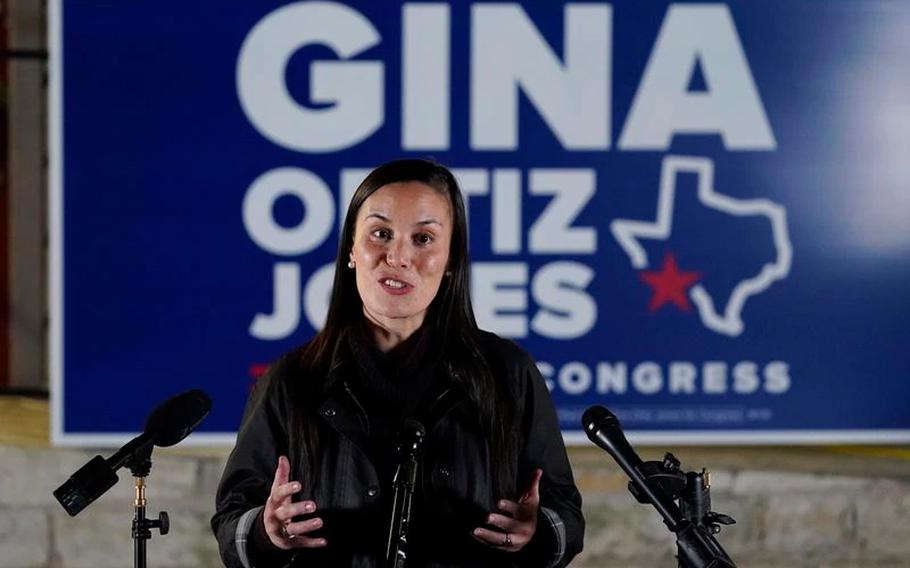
383, 234
423, 239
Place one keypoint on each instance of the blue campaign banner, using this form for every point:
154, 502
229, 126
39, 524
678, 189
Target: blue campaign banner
696, 214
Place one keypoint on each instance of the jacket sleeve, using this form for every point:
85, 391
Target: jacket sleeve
247, 477
560, 523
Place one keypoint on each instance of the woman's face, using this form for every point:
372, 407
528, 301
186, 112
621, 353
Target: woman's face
401, 252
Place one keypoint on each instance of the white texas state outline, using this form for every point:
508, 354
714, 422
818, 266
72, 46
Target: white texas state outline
627, 232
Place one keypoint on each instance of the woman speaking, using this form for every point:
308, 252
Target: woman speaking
310, 480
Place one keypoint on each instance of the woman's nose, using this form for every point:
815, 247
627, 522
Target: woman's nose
398, 255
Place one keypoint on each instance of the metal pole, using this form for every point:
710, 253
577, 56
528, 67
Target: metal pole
141, 533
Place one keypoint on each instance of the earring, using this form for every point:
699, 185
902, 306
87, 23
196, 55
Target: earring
351, 264
448, 272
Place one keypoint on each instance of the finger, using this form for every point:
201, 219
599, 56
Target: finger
288, 511
507, 524
498, 539
282, 473
489, 537
288, 539
281, 493
307, 542
510, 507
532, 495
304, 527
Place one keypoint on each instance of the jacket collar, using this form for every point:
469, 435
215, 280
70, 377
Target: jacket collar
339, 366
341, 409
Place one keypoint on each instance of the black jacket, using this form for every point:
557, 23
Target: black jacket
455, 487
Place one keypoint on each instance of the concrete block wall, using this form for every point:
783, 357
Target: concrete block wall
784, 518
36, 532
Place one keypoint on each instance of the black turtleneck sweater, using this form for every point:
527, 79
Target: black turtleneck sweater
392, 387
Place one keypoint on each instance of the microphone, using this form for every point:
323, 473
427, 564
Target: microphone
175, 418
169, 423
602, 428
410, 441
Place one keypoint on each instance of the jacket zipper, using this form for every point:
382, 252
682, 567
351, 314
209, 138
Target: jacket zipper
363, 412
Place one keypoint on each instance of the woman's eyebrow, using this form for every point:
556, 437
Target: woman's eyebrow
383, 217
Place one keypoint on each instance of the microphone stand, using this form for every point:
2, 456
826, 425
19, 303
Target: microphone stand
403, 483
140, 465
168, 424
693, 522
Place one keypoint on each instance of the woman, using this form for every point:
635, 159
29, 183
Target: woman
310, 479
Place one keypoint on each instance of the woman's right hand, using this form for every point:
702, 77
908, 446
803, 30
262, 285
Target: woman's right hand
280, 509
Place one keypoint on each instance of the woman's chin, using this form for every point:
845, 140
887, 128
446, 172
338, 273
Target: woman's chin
393, 314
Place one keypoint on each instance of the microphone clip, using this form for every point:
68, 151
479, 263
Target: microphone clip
691, 489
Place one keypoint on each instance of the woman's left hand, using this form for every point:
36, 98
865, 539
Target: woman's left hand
517, 521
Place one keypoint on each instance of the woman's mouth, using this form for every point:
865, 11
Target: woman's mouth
393, 286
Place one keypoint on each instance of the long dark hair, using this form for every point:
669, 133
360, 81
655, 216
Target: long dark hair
450, 316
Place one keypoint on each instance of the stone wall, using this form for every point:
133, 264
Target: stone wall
842, 514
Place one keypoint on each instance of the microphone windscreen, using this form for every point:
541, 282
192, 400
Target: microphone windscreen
598, 417
410, 438
175, 418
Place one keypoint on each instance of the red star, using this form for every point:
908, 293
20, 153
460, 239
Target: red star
669, 284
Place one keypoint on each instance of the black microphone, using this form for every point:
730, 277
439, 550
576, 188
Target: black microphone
410, 441
169, 423
176, 417
602, 428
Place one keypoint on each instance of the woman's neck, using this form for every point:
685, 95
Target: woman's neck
389, 333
